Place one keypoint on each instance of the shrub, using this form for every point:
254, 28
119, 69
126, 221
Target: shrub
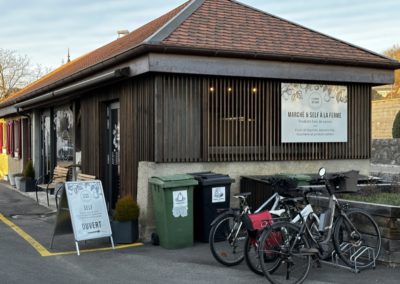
396, 126
29, 171
126, 209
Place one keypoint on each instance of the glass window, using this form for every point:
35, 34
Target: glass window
64, 124
17, 141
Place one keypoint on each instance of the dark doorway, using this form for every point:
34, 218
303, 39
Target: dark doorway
46, 144
112, 154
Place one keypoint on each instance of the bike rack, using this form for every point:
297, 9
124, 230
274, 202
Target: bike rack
356, 253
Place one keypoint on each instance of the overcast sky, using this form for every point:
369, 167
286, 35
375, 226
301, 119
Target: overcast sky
45, 29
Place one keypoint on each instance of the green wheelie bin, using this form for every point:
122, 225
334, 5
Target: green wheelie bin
173, 209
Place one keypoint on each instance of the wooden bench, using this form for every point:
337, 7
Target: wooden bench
83, 177
59, 176
80, 177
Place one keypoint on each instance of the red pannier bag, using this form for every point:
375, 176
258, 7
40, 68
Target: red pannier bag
257, 221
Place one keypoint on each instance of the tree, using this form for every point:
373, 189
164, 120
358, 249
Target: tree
396, 126
16, 72
394, 53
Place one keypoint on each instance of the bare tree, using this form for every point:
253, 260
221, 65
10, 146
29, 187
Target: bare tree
16, 71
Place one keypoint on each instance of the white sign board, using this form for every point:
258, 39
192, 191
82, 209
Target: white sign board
88, 210
180, 203
313, 113
218, 194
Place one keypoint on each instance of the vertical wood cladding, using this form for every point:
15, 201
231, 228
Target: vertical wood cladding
177, 118
237, 119
136, 129
178, 104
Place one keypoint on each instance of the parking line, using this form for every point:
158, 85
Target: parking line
43, 251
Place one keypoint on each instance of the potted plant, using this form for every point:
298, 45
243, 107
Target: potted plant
11, 177
27, 183
125, 228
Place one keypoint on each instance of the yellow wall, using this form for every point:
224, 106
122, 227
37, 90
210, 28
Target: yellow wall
3, 159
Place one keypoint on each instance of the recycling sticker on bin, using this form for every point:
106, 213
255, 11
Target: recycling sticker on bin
218, 194
180, 203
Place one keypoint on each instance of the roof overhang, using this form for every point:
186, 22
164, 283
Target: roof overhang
140, 61
7, 111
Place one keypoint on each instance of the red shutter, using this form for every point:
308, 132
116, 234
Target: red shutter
20, 139
8, 138
1, 138
12, 139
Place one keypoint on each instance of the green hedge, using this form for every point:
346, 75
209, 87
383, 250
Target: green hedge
396, 126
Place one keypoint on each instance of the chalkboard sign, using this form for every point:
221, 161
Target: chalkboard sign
88, 210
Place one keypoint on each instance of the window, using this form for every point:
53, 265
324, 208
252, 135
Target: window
12, 137
64, 124
237, 119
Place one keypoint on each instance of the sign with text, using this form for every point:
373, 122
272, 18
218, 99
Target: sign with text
88, 210
313, 113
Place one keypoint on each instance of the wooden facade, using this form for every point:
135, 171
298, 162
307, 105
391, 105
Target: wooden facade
137, 135
179, 118
214, 119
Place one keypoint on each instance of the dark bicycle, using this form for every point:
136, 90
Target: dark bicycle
355, 235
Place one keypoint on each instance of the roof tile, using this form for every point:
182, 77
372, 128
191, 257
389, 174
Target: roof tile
253, 31
222, 25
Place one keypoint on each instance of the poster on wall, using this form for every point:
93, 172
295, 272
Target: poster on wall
313, 113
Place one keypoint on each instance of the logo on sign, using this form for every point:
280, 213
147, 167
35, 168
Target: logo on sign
218, 194
85, 196
180, 203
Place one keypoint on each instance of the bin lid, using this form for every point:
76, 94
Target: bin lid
210, 178
172, 181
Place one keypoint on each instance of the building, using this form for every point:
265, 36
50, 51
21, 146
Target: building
211, 85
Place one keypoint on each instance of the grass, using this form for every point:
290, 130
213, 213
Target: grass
389, 198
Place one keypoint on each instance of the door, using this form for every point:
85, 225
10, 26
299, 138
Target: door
112, 154
46, 162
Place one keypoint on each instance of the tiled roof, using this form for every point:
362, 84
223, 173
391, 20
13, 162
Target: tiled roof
229, 25
219, 25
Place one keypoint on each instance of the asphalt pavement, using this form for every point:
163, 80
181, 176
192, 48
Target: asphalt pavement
26, 229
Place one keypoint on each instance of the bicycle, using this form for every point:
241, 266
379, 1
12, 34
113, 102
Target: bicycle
228, 235
257, 222
290, 243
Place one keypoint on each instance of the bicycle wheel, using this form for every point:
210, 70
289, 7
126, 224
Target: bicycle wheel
287, 252
252, 257
227, 237
353, 236
251, 253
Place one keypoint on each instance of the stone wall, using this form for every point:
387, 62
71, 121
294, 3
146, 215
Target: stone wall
385, 151
383, 114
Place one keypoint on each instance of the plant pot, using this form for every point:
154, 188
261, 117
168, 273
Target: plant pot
27, 185
18, 178
11, 176
125, 232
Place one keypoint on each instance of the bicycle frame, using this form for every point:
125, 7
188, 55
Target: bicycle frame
334, 206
